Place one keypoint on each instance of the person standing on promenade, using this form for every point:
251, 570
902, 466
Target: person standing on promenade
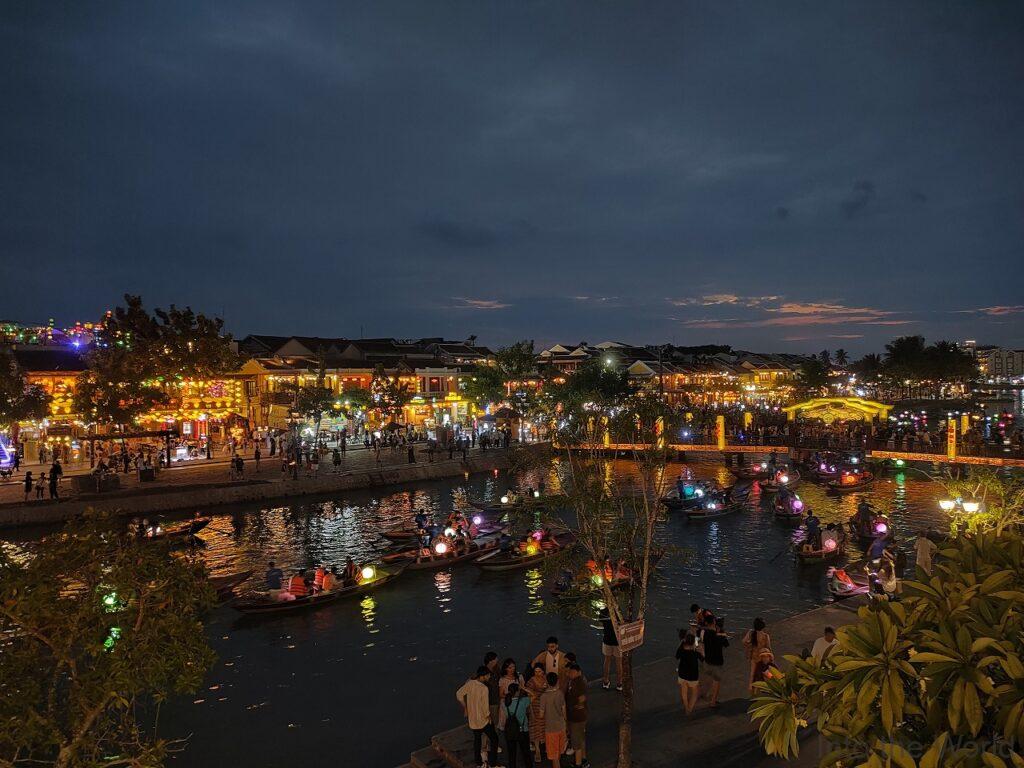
40, 484
755, 641
28, 483
610, 650
336, 460
552, 658
473, 696
493, 687
256, 456
924, 549
824, 645
53, 484
516, 710
552, 701
715, 642
535, 688
576, 713
689, 670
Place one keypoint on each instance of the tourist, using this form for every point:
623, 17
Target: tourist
314, 460
764, 664
28, 483
824, 645
714, 642
754, 642
336, 460
508, 677
924, 549
350, 574
552, 658
53, 484
256, 456
473, 696
239, 466
576, 713
318, 578
698, 614
297, 584
493, 684
689, 656
610, 651
331, 579
515, 712
535, 687
813, 525
40, 484
552, 702
274, 577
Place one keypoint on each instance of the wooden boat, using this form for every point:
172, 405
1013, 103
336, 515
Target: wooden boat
184, 530
843, 483
413, 555
510, 561
712, 510
792, 480
698, 492
411, 534
756, 472
865, 535
263, 605
225, 585
591, 585
815, 556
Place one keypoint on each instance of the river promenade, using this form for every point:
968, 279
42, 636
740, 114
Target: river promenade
663, 736
202, 484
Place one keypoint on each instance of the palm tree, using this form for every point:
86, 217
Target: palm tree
841, 358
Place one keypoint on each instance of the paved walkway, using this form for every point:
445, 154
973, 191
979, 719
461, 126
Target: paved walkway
214, 472
662, 735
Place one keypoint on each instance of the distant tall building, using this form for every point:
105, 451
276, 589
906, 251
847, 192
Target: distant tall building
998, 363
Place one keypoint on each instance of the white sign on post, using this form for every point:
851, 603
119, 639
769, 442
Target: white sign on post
630, 635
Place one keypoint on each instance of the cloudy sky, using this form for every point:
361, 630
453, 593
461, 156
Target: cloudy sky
775, 175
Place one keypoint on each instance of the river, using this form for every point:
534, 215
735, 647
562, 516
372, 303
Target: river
367, 681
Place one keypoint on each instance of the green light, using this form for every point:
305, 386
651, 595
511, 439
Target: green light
900, 462
112, 638
110, 602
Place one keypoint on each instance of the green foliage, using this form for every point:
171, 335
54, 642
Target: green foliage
813, 375
909, 359
100, 628
136, 354
1001, 497
937, 680
504, 381
388, 395
19, 400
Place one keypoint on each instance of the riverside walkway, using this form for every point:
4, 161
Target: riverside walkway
663, 736
203, 483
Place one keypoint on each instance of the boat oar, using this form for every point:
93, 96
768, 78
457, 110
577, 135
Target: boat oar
784, 549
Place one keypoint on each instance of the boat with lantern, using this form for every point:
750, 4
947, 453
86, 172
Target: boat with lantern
850, 480
689, 494
262, 603
482, 527
789, 508
441, 553
833, 546
869, 528
526, 553
181, 532
712, 509
758, 471
590, 582
783, 479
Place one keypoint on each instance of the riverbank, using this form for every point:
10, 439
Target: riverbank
207, 485
662, 735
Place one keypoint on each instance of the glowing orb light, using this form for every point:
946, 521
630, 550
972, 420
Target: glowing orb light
368, 572
504, 499
823, 467
764, 465
854, 459
440, 547
971, 506
830, 544
532, 548
712, 505
797, 504
700, 493
784, 479
881, 528
900, 462
449, 531
687, 491
477, 519
598, 579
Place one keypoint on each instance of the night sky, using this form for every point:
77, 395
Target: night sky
777, 176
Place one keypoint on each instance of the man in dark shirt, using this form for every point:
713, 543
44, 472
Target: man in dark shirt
274, 576
576, 714
715, 642
610, 650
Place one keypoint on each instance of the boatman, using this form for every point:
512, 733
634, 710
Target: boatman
274, 577
813, 529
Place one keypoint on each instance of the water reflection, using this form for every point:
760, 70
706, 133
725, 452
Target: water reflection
443, 583
534, 581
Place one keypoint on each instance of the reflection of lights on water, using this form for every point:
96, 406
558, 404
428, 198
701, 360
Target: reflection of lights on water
534, 583
368, 609
443, 582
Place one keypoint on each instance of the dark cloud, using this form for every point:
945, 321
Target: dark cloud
918, 196
456, 235
248, 156
860, 197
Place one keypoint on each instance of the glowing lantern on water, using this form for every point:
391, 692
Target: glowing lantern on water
700, 493
764, 465
532, 548
881, 528
504, 499
946, 505
797, 504
368, 572
477, 519
537, 535
712, 505
830, 544
449, 531
536, 494
598, 579
440, 547
823, 467
784, 479
900, 462
110, 601
854, 459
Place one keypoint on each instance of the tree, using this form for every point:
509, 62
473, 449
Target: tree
99, 629
617, 517
826, 358
869, 366
135, 356
387, 395
813, 376
937, 680
505, 380
1001, 500
841, 358
592, 391
904, 361
19, 400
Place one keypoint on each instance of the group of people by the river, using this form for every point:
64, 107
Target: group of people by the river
322, 580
